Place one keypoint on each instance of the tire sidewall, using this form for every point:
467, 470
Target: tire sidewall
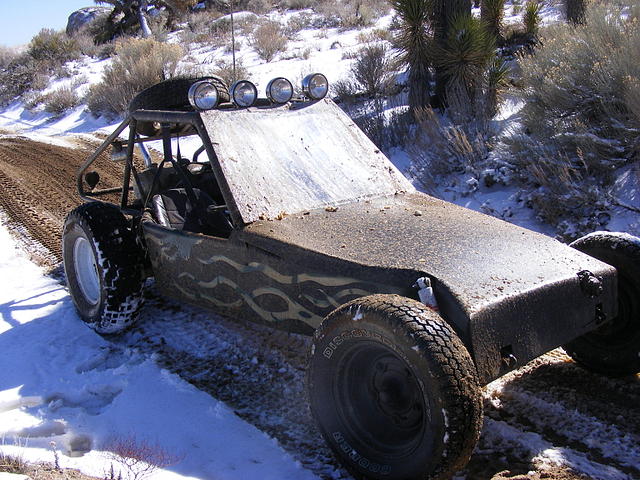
331, 346
90, 313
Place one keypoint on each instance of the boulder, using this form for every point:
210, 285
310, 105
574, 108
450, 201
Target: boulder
82, 18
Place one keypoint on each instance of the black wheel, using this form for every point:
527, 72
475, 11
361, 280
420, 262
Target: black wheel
170, 95
104, 267
393, 390
614, 348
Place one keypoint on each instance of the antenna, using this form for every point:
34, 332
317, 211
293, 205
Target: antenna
233, 41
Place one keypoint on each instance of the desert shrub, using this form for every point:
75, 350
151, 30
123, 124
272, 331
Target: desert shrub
352, 13
580, 86
10, 463
372, 69
138, 64
344, 90
224, 69
300, 4
268, 39
17, 77
53, 48
439, 147
7, 55
61, 100
259, 6
561, 193
133, 458
297, 23
531, 18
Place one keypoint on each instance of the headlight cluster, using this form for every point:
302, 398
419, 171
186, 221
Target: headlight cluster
203, 95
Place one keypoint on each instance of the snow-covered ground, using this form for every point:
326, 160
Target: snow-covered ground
65, 388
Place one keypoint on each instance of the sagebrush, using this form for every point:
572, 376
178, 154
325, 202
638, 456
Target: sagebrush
269, 39
138, 64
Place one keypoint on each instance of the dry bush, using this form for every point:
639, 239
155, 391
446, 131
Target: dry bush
580, 87
224, 70
559, 190
13, 463
296, 23
300, 4
440, 147
61, 100
7, 55
135, 459
17, 77
352, 13
53, 48
269, 39
372, 69
138, 64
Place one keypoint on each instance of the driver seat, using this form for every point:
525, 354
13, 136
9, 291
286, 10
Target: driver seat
173, 209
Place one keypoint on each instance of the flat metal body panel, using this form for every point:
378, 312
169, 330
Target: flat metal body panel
242, 281
292, 158
501, 286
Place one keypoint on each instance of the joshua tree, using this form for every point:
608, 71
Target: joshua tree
575, 11
414, 41
492, 14
445, 13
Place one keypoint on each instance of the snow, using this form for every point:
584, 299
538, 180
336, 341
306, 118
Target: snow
61, 382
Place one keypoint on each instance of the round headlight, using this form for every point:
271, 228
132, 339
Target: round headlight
280, 90
315, 86
244, 93
203, 95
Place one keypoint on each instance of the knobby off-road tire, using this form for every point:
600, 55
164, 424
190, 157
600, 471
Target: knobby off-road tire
104, 267
614, 348
171, 95
393, 390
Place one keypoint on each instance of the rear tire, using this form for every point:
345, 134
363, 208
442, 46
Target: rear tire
393, 390
614, 348
170, 95
104, 267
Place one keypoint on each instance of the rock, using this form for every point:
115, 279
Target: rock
82, 18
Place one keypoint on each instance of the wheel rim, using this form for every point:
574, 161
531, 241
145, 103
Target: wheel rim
379, 402
86, 269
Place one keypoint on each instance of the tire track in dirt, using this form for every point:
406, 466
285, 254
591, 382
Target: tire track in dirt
38, 182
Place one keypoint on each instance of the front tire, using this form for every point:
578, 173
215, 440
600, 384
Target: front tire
104, 267
393, 390
614, 348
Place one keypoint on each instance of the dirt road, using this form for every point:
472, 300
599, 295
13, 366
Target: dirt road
550, 419
38, 182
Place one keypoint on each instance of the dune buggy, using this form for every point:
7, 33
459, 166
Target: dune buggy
285, 213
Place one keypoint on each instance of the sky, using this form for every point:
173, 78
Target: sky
21, 20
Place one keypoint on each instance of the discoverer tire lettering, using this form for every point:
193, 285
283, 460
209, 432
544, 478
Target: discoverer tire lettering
393, 390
